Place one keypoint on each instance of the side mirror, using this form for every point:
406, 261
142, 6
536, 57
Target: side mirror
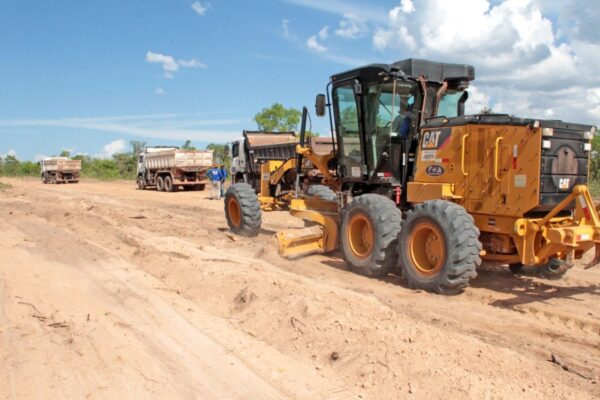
320, 105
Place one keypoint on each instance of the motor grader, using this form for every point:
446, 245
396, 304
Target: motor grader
430, 192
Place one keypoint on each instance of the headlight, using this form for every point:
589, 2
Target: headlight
547, 131
546, 144
587, 146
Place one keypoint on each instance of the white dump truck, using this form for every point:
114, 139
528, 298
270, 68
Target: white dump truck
60, 170
168, 168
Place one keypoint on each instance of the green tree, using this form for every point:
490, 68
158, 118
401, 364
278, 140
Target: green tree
137, 146
11, 165
65, 153
277, 118
187, 145
221, 153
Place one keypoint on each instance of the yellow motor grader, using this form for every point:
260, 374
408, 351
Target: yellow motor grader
428, 191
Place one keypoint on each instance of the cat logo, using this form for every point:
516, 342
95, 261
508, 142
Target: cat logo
430, 139
564, 183
435, 170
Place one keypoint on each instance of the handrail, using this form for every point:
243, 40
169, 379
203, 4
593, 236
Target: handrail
496, 147
462, 160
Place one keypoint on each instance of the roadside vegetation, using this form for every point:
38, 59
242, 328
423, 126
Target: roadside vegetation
4, 186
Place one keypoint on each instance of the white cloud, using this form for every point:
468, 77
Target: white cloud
324, 32
314, 45
351, 27
366, 10
200, 8
39, 157
170, 65
285, 26
160, 126
11, 152
112, 148
407, 6
160, 92
193, 63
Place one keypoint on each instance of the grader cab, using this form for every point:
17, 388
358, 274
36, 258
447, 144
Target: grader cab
427, 191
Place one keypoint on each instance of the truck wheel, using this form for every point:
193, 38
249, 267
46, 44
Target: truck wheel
169, 184
160, 184
439, 247
44, 181
321, 191
141, 181
369, 232
553, 269
242, 210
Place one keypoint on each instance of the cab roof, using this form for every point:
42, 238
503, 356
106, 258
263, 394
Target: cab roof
411, 68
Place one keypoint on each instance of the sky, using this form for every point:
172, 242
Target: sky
90, 76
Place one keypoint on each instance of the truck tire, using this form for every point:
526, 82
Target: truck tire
553, 269
242, 210
370, 229
169, 187
321, 191
160, 184
141, 182
44, 180
438, 247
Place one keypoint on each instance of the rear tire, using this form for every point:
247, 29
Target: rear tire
370, 228
552, 270
242, 210
44, 179
169, 184
322, 192
160, 184
439, 247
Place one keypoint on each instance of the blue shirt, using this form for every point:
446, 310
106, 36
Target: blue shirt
214, 174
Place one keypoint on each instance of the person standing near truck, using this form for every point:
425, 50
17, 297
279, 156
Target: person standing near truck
223, 173
214, 175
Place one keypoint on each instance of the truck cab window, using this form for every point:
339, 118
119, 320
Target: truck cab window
235, 150
349, 133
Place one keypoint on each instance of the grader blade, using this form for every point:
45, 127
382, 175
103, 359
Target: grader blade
301, 242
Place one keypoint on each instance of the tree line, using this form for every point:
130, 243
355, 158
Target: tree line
276, 118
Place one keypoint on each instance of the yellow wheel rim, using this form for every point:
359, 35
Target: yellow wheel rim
427, 248
360, 236
235, 214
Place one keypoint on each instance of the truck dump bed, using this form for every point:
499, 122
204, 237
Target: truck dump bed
61, 164
187, 160
264, 146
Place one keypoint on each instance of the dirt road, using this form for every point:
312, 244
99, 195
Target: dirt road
111, 292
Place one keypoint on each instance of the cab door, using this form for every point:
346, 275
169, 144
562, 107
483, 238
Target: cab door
351, 156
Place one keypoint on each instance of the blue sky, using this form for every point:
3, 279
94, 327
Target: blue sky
89, 76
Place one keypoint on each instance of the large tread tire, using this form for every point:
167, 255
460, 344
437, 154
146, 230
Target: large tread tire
452, 227
160, 184
369, 233
552, 270
44, 179
242, 210
169, 187
322, 192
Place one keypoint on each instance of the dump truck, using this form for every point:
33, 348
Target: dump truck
168, 168
268, 162
428, 192
60, 170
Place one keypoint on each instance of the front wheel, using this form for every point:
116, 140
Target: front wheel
242, 210
438, 247
141, 181
369, 232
